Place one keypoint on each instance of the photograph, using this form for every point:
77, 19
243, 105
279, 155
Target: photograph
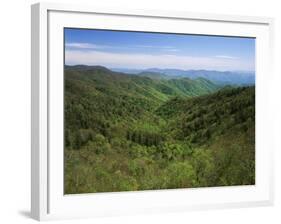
157, 111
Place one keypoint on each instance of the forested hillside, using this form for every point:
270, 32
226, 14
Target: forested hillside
125, 132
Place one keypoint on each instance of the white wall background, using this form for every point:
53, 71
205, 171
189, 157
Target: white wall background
15, 110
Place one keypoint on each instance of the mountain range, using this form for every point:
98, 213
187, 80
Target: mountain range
238, 78
219, 77
151, 85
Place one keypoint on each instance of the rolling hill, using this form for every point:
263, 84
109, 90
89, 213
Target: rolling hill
97, 81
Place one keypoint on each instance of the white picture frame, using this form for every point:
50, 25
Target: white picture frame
47, 198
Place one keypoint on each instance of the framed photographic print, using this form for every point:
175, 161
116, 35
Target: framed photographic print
148, 111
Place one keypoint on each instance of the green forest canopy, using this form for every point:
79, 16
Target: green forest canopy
127, 132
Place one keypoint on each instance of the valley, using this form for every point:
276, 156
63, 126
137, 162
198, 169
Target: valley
144, 131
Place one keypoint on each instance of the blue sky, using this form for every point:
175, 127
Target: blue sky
140, 50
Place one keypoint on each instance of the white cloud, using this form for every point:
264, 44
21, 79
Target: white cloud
172, 50
225, 57
162, 48
151, 46
96, 46
84, 46
126, 60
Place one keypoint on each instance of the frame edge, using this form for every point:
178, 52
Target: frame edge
35, 176
39, 169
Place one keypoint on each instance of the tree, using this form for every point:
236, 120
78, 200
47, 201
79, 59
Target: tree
77, 140
181, 175
203, 163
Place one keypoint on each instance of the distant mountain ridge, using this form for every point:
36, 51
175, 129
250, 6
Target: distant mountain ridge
240, 78
219, 77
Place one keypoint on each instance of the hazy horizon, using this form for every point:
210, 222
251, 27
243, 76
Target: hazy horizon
145, 69
143, 50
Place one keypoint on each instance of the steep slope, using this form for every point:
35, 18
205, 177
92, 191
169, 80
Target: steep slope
230, 110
